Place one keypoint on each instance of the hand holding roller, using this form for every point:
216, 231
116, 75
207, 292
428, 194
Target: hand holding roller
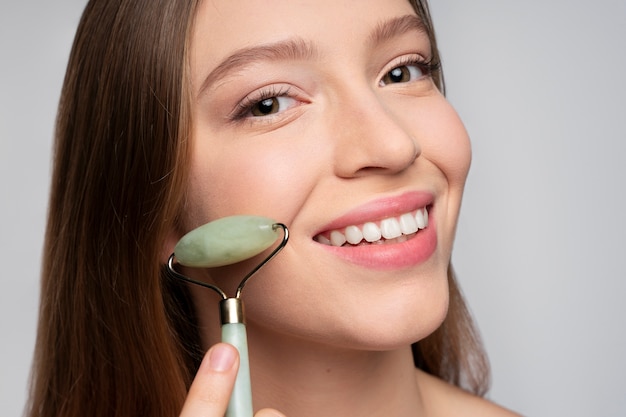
224, 242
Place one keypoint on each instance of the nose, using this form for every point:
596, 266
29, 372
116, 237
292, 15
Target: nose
369, 138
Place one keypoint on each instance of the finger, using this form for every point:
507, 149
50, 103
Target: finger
211, 388
268, 412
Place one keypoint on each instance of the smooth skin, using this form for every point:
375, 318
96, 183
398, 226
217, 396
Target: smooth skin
321, 114
210, 391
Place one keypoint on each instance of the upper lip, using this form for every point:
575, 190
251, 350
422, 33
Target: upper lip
379, 209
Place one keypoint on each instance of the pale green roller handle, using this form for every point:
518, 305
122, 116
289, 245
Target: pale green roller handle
240, 404
226, 241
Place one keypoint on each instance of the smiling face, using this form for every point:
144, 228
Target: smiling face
323, 115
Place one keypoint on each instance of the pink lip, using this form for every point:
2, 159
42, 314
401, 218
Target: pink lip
387, 256
381, 209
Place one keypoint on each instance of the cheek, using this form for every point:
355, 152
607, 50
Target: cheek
450, 148
252, 176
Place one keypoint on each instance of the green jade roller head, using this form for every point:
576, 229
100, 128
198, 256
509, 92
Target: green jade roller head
224, 242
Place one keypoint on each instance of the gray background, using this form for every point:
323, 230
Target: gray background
541, 87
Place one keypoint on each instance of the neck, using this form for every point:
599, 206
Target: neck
303, 379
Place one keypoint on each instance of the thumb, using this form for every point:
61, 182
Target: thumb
268, 412
210, 391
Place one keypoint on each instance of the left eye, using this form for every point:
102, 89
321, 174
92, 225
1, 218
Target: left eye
402, 74
271, 105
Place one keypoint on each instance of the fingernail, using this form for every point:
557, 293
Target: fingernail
267, 412
221, 358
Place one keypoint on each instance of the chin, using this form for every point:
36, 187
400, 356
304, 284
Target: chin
384, 325
400, 330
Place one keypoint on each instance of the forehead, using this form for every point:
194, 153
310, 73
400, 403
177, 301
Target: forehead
224, 26
244, 20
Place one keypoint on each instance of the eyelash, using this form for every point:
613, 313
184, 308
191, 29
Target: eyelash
427, 67
245, 106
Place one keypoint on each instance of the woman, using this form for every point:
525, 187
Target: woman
324, 115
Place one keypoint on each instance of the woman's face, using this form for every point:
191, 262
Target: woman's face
321, 114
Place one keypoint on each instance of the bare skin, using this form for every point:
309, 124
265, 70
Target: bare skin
444, 400
323, 114
208, 395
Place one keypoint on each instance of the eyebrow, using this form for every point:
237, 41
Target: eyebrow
398, 26
291, 49
299, 49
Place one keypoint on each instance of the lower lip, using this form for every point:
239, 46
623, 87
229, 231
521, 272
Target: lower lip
388, 256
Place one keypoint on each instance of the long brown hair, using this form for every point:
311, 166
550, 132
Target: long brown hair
115, 336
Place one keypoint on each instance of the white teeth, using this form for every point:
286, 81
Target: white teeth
408, 224
323, 240
371, 232
390, 228
337, 238
422, 222
353, 235
393, 230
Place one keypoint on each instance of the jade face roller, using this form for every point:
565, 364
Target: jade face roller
223, 242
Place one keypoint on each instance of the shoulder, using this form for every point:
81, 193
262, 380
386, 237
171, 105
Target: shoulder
443, 399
